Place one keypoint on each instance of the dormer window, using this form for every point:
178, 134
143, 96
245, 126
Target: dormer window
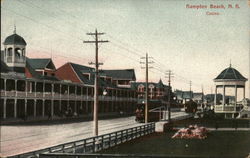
86, 75
109, 79
141, 88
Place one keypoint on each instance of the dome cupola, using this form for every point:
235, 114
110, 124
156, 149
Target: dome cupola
14, 52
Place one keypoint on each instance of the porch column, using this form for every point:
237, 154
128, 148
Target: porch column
4, 108
43, 89
235, 95
215, 96
35, 88
25, 107
244, 93
81, 107
60, 105
16, 87
15, 108
87, 93
52, 108
26, 88
43, 107
60, 100
5, 86
68, 91
81, 92
75, 109
87, 107
52, 90
35, 108
75, 91
223, 101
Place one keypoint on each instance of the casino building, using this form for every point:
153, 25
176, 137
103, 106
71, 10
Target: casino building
33, 89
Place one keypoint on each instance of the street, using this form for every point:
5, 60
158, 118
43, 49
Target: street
19, 139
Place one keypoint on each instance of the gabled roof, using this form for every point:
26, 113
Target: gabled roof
81, 69
197, 96
40, 63
128, 74
184, 94
160, 84
37, 75
230, 74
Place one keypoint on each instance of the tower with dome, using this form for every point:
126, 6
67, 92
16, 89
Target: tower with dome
14, 52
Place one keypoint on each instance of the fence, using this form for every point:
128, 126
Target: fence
63, 155
94, 144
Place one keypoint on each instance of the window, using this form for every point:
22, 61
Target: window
86, 75
10, 52
45, 73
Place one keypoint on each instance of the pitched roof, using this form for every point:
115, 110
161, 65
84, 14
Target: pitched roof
160, 84
197, 96
230, 74
14, 39
120, 74
40, 63
37, 75
80, 69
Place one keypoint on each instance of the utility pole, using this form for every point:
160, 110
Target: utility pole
146, 92
96, 41
202, 99
169, 75
190, 90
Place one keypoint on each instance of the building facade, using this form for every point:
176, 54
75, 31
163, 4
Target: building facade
35, 89
158, 93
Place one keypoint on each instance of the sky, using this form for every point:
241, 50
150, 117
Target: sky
193, 45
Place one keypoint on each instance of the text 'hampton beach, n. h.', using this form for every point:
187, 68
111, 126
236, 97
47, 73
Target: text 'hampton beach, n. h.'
214, 9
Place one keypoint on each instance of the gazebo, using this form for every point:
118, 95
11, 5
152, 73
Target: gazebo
229, 77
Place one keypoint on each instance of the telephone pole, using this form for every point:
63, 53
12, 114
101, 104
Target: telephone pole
190, 90
146, 92
96, 42
169, 75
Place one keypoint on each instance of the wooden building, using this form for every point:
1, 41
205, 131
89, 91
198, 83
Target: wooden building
35, 89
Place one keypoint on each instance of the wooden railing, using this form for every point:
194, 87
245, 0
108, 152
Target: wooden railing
48, 95
94, 144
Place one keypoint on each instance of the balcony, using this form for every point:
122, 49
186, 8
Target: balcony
49, 95
9, 59
19, 59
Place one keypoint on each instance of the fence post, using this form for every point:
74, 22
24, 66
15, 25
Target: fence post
121, 136
109, 140
93, 146
140, 131
115, 138
103, 145
84, 146
126, 134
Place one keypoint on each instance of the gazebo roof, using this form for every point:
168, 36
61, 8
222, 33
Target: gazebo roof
230, 74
